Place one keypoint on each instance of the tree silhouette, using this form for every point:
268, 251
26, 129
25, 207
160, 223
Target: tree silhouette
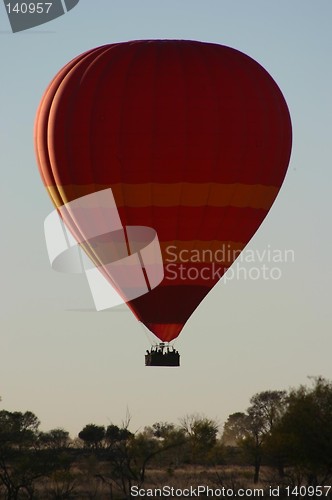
304, 434
92, 435
22, 462
201, 433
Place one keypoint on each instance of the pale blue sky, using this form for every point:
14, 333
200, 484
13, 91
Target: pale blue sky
73, 366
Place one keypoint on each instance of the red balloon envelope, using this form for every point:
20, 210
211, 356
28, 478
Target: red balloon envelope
194, 140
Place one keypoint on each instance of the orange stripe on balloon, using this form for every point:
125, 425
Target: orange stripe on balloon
183, 193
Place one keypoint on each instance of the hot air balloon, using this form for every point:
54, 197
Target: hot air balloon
193, 139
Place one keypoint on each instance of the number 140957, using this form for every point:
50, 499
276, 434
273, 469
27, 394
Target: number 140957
29, 8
